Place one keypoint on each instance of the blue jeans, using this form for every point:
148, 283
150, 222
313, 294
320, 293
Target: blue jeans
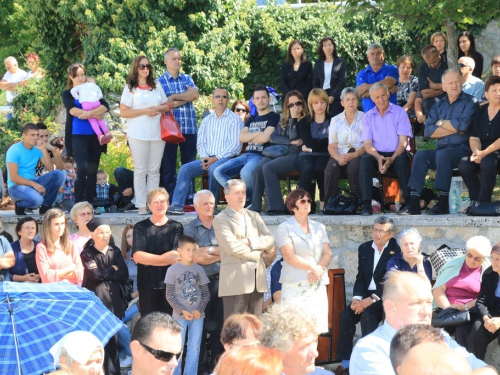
195, 329
27, 197
243, 165
169, 162
9, 115
124, 342
188, 172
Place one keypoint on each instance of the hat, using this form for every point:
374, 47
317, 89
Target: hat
96, 223
79, 345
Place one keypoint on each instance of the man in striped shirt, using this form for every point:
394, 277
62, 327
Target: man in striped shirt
217, 143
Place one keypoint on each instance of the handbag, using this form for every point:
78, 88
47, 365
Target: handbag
483, 209
126, 289
341, 204
170, 129
442, 255
449, 317
275, 151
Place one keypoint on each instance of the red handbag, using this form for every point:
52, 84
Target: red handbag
170, 129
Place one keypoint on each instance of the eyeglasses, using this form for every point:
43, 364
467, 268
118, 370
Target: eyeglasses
160, 355
241, 110
144, 66
296, 104
304, 201
477, 259
463, 65
83, 214
221, 96
380, 231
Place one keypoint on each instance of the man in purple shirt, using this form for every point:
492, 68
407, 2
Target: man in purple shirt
385, 134
376, 71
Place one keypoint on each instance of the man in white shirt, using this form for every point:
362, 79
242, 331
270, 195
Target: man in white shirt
470, 85
11, 80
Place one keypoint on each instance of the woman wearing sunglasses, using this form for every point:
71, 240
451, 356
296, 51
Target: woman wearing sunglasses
80, 139
306, 254
142, 103
241, 108
459, 281
285, 137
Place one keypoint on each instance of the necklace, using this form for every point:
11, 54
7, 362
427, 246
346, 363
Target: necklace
467, 268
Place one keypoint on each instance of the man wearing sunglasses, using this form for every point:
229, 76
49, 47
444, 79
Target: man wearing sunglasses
470, 84
156, 345
217, 143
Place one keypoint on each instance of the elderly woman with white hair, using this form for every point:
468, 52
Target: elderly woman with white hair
459, 281
410, 258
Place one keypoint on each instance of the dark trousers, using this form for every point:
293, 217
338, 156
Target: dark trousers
479, 338
266, 177
251, 303
125, 179
480, 190
368, 165
308, 165
369, 318
443, 160
154, 300
169, 162
87, 153
214, 319
332, 177
111, 358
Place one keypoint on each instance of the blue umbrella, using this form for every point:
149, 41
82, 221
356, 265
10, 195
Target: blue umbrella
33, 317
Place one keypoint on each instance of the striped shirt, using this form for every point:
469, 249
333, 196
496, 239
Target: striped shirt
185, 114
219, 136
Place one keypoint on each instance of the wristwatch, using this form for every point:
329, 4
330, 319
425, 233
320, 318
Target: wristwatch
373, 300
439, 123
211, 250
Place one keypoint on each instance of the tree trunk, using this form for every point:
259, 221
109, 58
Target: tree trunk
452, 53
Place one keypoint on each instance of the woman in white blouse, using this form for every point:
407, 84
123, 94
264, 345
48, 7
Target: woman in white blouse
344, 146
141, 104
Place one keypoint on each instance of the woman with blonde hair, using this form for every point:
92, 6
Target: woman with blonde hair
56, 257
439, 40
285, 137
81, 214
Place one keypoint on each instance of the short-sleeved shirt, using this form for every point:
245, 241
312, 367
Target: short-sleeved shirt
144, 127
204, 237
404, 92
26, 160
187, 282
347, 136
4, 249
259, 124
434, 74
185, 114
398, 263
17, 77
474, 86
487, 131
369, 76
384, 132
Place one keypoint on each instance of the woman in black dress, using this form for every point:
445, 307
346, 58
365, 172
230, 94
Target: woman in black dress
467, 47
330, 74
104, 270
296, 71
154, 250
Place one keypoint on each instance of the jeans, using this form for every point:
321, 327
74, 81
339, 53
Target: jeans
27, 197
243, 165
124, 342
125, 179
9, 115
87, 153
195, 329
188, 172
169, 162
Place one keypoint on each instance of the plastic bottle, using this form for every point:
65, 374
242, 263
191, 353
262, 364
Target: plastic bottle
454, 199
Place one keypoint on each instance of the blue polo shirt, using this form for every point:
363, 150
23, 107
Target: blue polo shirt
26, 160
369, 76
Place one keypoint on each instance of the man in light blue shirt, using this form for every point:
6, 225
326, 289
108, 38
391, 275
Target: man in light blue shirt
470, 85
407, 299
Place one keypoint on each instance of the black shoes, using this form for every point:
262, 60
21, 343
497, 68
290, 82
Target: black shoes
436, 210
409, 209
19, 210
43, 209
366, 211
129, 207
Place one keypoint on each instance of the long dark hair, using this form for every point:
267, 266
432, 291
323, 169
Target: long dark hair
472, 49
72, 69
133, 77
286, 112
320, 52
289, 58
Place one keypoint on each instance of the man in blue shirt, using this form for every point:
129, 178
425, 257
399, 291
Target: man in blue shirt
181, 92
449, 122
376, 71
26, 190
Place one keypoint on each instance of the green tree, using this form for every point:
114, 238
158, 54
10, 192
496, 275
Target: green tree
429, 15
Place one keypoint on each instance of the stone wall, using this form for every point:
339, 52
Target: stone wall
488, 43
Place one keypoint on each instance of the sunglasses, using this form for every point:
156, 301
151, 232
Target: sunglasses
296, 104
463, 65
304, 201
145, 66
221, 96
477, 259
160, 355
241, 110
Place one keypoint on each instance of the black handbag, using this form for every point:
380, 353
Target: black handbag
126, 289
341, 204
449, 317
483, 209
275, 151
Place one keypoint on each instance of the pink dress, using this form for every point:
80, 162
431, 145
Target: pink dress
465, 287
49, 263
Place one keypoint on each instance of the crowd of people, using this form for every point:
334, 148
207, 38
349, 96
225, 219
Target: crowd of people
237, 297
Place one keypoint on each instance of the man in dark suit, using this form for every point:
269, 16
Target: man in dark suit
366, 306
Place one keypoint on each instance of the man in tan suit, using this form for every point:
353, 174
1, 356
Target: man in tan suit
242, 236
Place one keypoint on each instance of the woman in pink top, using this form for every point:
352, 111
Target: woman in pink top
459, 282
81, 214
56, 257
